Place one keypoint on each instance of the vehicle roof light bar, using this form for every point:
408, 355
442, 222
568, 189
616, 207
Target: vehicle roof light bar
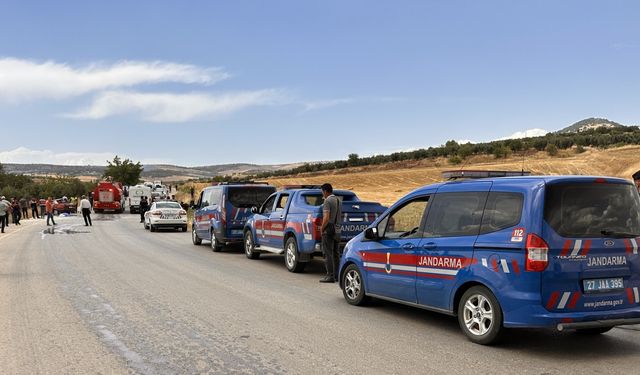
470, 174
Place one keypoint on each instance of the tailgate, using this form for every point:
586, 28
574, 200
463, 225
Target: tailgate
592, 232
105, 196
357, 216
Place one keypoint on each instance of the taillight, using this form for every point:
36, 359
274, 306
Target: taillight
223, 211
156, 213
317, 228
537, 253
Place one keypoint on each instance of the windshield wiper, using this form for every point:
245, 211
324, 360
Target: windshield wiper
611, 233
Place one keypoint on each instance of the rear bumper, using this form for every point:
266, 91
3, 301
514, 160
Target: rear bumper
598, 324
168, 223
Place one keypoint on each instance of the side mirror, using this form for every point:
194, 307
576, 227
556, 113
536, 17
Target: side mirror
254, 210
371, 233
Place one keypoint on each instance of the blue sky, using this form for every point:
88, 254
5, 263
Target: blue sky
210, 82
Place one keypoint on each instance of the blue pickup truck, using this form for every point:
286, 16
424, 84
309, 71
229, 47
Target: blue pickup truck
289, 223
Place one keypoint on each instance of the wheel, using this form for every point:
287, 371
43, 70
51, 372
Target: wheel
152, 227
291, 256
194, 237
145, 225
353, 286
215, 245
593, 331
249, 246
480, 316
184, 229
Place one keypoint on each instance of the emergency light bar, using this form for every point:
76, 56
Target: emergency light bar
460, 174
239, 183
289, 187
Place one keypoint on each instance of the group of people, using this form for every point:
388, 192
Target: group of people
18, 209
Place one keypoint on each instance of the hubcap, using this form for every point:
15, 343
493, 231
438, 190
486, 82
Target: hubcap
213, 240
352, 284
478, 314
248, 244
291, 255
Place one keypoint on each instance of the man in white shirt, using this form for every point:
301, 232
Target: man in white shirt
85, 206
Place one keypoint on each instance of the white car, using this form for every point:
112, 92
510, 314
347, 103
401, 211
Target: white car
165, 214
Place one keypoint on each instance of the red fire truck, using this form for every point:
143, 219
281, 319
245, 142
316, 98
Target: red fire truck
108, 197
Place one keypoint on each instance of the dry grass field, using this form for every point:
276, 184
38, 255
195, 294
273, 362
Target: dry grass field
386, 183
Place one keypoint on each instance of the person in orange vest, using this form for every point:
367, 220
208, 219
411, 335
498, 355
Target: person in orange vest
49, 207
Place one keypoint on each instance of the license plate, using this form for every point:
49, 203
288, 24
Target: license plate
168, 216
236, 231
603, 285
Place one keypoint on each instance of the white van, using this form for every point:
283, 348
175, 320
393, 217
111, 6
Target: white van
135, 193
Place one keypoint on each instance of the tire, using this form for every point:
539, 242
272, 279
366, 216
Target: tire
145, 225
353, 286
184, 229
292, 257
152, 227
480, 316
250, 246
194, 237
216, 246
593, 331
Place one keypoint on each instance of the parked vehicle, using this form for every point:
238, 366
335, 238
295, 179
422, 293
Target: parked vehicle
289, 222
166, 214
64, 205
540, 252
135, 194
108, 197
223, 209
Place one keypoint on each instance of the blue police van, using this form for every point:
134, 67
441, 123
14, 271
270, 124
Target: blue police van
540, 252
223, 209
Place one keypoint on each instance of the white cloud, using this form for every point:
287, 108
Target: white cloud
22, 80
23, 155
526, 134
169, 107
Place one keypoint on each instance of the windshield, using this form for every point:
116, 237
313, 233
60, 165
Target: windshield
592, 209
249, 196
167, 205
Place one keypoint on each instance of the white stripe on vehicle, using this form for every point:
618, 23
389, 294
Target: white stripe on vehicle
276, 233
576, 248
484, 262
564, 299
634, 243
505, 267
375, 265
635, 292
271, 249
438, 271
236, 217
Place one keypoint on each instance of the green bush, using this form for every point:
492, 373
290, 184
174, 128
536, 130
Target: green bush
551, 149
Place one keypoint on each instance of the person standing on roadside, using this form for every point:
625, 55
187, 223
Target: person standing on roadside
24, 207
34, 208
85, 206
49, 208
43, 208
144, 207
331, 222
15, 210
4, 208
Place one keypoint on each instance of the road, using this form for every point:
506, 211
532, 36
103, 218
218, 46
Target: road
114, 298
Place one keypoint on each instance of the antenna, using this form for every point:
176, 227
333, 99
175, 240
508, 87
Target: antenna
524, 154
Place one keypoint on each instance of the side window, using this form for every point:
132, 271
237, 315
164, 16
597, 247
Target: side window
503, 210
216, 197
282, 202
206, 199
200, 201
455, 214
267, 207
405, 221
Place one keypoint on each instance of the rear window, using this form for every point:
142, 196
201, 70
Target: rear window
316, 199
168, 205
588, 209
249, 196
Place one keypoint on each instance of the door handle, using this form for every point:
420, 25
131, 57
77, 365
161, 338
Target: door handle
429, 246
408, 246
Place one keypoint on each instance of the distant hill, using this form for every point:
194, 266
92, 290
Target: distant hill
151, 171
589, 124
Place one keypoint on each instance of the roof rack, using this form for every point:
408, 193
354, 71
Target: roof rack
462, 174
289, 187
239, 183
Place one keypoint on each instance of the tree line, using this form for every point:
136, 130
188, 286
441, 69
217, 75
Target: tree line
457, 153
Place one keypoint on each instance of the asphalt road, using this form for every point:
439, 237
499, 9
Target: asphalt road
114, 298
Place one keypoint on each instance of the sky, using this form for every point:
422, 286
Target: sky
212, 82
